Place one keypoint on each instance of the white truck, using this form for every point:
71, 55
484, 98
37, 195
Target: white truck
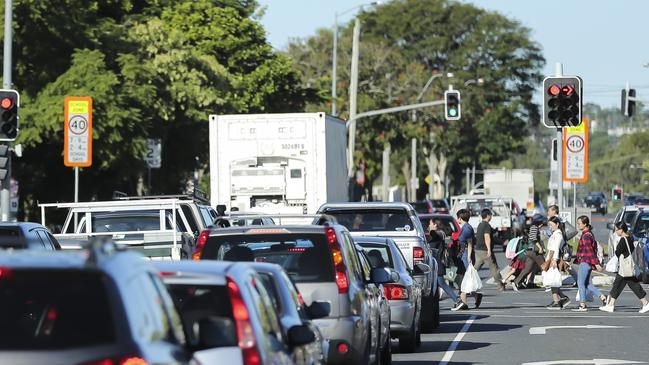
277, 163
517, 184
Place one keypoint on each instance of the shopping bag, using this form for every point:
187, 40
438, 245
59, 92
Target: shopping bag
471, 281
552, 278
611, 265
589, 296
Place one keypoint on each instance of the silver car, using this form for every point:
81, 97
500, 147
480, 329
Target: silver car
404, 294
292, 311
399, 222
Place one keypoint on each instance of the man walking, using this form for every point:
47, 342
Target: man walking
467, 255
484, 248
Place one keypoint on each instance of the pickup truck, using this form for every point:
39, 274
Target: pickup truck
158, 227
504, 219
399, 222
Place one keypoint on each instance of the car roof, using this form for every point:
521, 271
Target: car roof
372, 240
366, 205
435, 215
275, 229
23, 225
187, 270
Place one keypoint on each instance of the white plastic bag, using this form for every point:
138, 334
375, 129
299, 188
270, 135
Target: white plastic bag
471, 281
589, 296
552, 278
611, 265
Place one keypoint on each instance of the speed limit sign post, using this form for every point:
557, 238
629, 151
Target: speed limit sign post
77, 149
575, 153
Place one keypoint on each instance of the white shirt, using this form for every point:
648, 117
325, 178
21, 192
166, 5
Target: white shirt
554, 243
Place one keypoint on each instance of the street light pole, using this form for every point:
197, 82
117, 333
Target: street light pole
5, 197
353, 89
334, 63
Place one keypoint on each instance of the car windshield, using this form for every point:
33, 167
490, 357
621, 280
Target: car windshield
629, 215
373, 220
378, 255
54, 309
304, 256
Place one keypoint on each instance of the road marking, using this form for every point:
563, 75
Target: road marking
543, 330
593, 361
565, 316
451, 349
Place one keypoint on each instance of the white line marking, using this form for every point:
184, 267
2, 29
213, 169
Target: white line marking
593, 361
543, 330
568, 316
451, 349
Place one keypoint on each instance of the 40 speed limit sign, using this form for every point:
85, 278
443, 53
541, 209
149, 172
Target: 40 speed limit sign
77, 149
575, 153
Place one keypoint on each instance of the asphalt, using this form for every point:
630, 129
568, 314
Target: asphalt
508, 329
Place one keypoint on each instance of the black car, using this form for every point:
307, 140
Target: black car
597, 202
26, 236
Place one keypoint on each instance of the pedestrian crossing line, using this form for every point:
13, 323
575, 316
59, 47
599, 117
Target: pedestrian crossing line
451, 349
536, 315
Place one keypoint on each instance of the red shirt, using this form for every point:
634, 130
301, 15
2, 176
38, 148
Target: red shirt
587, 249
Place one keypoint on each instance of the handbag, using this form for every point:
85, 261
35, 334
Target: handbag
627, 264
552, 278
612, 264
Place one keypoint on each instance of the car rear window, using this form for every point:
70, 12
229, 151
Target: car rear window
438, 203
196, 303
304, 256
641, 226
378, 255
421, 207
446, 224
629, 216
373, 220
54, 309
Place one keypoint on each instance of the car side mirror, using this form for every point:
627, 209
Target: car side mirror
380, 275
421, 269
318, 309
300, 335
216, 332
610, 226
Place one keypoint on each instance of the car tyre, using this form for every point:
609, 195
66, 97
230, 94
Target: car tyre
427, 316
436, 309
386, 355
408, 342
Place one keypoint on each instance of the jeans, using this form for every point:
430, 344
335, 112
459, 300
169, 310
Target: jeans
584, 282
441, 282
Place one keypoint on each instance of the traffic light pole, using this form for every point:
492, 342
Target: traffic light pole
5, 197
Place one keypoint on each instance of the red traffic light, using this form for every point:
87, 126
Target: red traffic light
554, 90
568, 90
7, 103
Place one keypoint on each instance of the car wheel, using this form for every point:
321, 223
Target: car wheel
386, 354
436, 310
408, 342
427, 317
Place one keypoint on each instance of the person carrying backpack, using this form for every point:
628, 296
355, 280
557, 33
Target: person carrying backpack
587, 260
624, 251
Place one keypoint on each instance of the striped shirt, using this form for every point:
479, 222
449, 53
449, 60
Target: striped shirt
533, 235
587, 249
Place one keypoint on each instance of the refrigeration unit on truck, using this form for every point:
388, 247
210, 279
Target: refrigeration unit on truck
516, 183
277, 163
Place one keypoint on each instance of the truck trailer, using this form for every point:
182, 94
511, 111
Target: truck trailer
277, 163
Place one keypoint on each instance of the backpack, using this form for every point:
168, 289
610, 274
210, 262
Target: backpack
565, 251
510, 250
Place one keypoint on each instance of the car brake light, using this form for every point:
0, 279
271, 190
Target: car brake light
120, 360
395, 292
200, 244
5, 273
417, 255
245, 333
134, 360
337, 258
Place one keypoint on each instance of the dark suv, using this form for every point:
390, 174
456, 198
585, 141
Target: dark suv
596, 201
101, 305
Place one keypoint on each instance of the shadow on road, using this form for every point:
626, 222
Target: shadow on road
416, 362
478, 327
442, 346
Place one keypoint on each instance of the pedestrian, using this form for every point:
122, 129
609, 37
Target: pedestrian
466, 241
437, 242
623, 250
556, 241
484, 248
587, 261
534, 256
570, 233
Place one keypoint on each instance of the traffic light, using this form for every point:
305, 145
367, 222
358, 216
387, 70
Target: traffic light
562, 101
452, 107
628, 102
617, 193
4, 160
9, 104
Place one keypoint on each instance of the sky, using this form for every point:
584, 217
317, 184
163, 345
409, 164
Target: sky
606, 42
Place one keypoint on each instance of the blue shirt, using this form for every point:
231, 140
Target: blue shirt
466, 235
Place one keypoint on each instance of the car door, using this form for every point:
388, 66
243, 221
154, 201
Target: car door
380, 310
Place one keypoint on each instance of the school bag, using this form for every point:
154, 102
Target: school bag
511, 249
565, 251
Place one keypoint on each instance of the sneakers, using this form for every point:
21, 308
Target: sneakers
554, 306
478, 299
644, 309
604, 299
610, 308
565, 301
581, 308
501, 287
514, 287
460, 305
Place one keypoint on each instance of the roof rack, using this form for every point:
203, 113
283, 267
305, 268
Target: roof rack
198, 196
328, 219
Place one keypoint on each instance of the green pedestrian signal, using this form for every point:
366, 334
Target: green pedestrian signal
452, 106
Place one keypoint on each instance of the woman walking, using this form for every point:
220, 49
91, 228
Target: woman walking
587, 261
557, 239
623, 250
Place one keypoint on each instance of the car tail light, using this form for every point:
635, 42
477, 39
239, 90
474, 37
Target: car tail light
343, 348
119, 360
200, 244
5, 273
395, 292
417, 255
245, 333
337, 258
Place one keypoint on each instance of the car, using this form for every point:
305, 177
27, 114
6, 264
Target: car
627, 215
292, 311
400, 222
431, 206
100, 305
596, 200
325, 266
639, 227
404, 295
631, 199
250, 219
229, 301
27, 235
448, 223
